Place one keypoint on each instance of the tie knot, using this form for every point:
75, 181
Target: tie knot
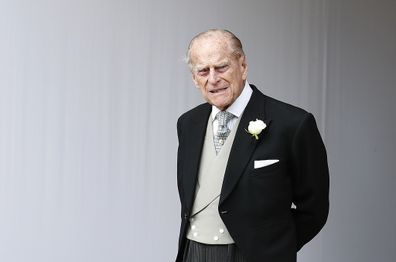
224, 117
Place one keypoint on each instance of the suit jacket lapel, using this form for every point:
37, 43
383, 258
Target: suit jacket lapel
244, 144
194, 143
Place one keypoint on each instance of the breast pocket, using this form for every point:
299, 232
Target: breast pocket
266, 168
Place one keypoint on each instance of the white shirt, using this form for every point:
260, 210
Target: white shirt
236, 108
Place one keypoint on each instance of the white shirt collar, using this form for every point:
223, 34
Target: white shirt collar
239, 104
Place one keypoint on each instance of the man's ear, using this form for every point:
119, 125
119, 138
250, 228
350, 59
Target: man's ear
194, 80
244, 66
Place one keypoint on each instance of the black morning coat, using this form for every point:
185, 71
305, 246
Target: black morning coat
255, 204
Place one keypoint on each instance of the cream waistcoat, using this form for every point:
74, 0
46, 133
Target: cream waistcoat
206, 225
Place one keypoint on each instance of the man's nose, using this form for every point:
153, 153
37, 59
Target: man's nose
213, 77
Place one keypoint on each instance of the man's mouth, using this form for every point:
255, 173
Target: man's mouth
218, 90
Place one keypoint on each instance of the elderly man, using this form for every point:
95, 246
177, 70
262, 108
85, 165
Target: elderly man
252, 171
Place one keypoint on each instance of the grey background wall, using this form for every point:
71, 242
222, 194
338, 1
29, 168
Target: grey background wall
360, 129
90, 92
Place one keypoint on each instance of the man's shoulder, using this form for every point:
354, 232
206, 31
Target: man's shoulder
285, 118
279, 109
195, 113
275, 106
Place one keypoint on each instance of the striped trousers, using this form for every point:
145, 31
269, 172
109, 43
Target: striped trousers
198, 252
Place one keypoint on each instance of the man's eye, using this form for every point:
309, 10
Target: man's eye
222, 69
203, 72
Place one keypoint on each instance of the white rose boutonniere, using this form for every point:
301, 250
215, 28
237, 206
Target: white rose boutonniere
256, 127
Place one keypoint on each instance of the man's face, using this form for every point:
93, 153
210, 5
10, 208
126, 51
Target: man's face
217, 72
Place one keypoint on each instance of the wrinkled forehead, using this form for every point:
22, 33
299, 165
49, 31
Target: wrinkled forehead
210, 50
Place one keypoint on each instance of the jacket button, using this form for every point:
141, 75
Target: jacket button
185, 216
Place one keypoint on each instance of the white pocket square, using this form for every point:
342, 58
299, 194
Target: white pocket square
263, 163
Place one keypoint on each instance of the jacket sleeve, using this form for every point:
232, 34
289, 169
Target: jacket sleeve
310, 181
179, 162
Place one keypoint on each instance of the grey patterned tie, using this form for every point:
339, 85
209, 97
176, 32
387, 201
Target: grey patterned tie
223, 117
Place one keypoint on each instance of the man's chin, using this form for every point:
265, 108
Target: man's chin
222, 107
220, 104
